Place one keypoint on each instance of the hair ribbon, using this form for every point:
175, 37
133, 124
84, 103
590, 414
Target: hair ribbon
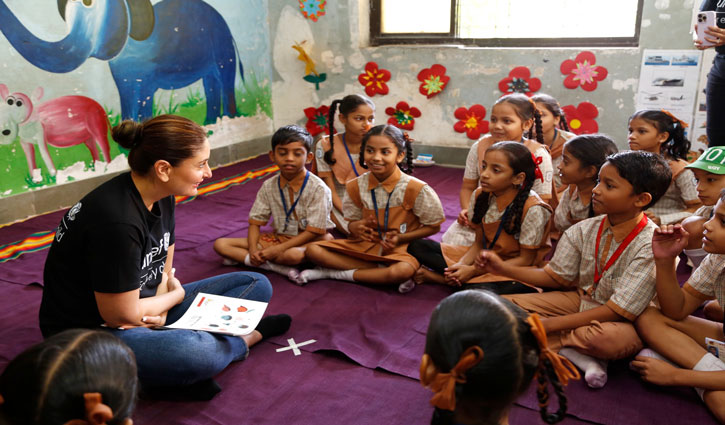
97, 413
563, 367
443, 385
537, 171
675, 120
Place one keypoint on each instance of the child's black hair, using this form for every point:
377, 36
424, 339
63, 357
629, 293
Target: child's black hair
290, 134
511, 356
645, 171
591, 150
45, 384
399, 139
525, 109
677, 146
347, 105
552, 105
521, 161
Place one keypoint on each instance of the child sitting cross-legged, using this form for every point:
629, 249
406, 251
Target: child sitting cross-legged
675, 336
607, 260
299, 203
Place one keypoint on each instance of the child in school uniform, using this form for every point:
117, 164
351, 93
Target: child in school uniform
386, 210
660, 132
607, 260
555, 131
582, 157
509, 218
678, 354
512, 119
337, 156
298, 202
481, 354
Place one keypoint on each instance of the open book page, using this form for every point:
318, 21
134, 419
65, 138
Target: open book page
220, 314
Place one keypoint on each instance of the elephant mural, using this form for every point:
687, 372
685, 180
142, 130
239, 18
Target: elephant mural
169, 45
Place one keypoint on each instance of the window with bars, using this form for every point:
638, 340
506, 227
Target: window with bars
512, 23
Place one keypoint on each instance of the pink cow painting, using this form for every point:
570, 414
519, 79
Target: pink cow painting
61, 122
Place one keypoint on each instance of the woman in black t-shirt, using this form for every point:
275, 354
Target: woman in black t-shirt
715, 89
110, 264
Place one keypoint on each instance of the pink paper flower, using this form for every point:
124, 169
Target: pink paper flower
519, 81
433, 80
581, 71
374, 79
581, 119
403, 115
471, 121
317, 120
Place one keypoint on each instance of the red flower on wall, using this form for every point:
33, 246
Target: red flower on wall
374, 79
317, 120
519, 81
433, 80
581, 119
471, 121
581, 71
312, 9
403, 115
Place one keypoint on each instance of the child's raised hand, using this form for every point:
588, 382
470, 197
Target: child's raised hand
463, 218
489, 261
668, 241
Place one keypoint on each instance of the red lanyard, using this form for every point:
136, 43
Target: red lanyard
597, 276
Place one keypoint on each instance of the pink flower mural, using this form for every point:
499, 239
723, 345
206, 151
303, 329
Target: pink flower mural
582, 72
433, 80
403, 115
471, 121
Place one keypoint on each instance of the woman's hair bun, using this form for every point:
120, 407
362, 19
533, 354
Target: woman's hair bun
128, 134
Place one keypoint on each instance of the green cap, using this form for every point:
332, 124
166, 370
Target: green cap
712, 160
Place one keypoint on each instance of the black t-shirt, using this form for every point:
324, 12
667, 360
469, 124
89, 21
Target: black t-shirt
719, 7
108, 242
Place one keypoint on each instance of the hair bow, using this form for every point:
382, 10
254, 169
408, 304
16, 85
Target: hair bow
563, 368
443, 385
97, 413
675, 120
537, 171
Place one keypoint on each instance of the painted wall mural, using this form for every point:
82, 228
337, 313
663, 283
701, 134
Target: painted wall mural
99, 62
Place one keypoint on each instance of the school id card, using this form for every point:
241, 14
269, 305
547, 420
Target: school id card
717, 348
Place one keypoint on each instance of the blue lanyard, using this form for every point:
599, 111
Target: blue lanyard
387, 210
294, 204
498, 231
349, 156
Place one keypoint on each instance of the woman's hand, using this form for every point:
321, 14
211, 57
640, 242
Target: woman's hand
668, 241
713, 35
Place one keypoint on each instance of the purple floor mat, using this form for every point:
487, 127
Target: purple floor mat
376, 328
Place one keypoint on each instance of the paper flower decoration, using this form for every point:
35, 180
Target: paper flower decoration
519, 81
581, 119
317, 120
403, 115
374, 79
471, 121
581, 71
433, 80
312, 9
311, 74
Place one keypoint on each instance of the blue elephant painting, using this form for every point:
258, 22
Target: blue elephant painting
168, 45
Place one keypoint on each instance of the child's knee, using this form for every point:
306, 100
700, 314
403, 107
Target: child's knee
220, 245
614, 345
399, 272
313, 252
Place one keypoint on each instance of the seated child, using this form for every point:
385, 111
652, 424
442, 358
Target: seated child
554, 129
50, 382
299, 203
512, 118
671, 332
509, 218
481, 354
660, 132
386, 210
582, 158
710, 176
337, 154
607, 260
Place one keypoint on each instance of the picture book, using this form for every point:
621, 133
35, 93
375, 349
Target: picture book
220, 314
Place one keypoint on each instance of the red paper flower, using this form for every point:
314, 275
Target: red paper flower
433, 80
581, 119
519, 81
313, 9
373, 79
403, 115
471, 121
317, 120
581, 71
